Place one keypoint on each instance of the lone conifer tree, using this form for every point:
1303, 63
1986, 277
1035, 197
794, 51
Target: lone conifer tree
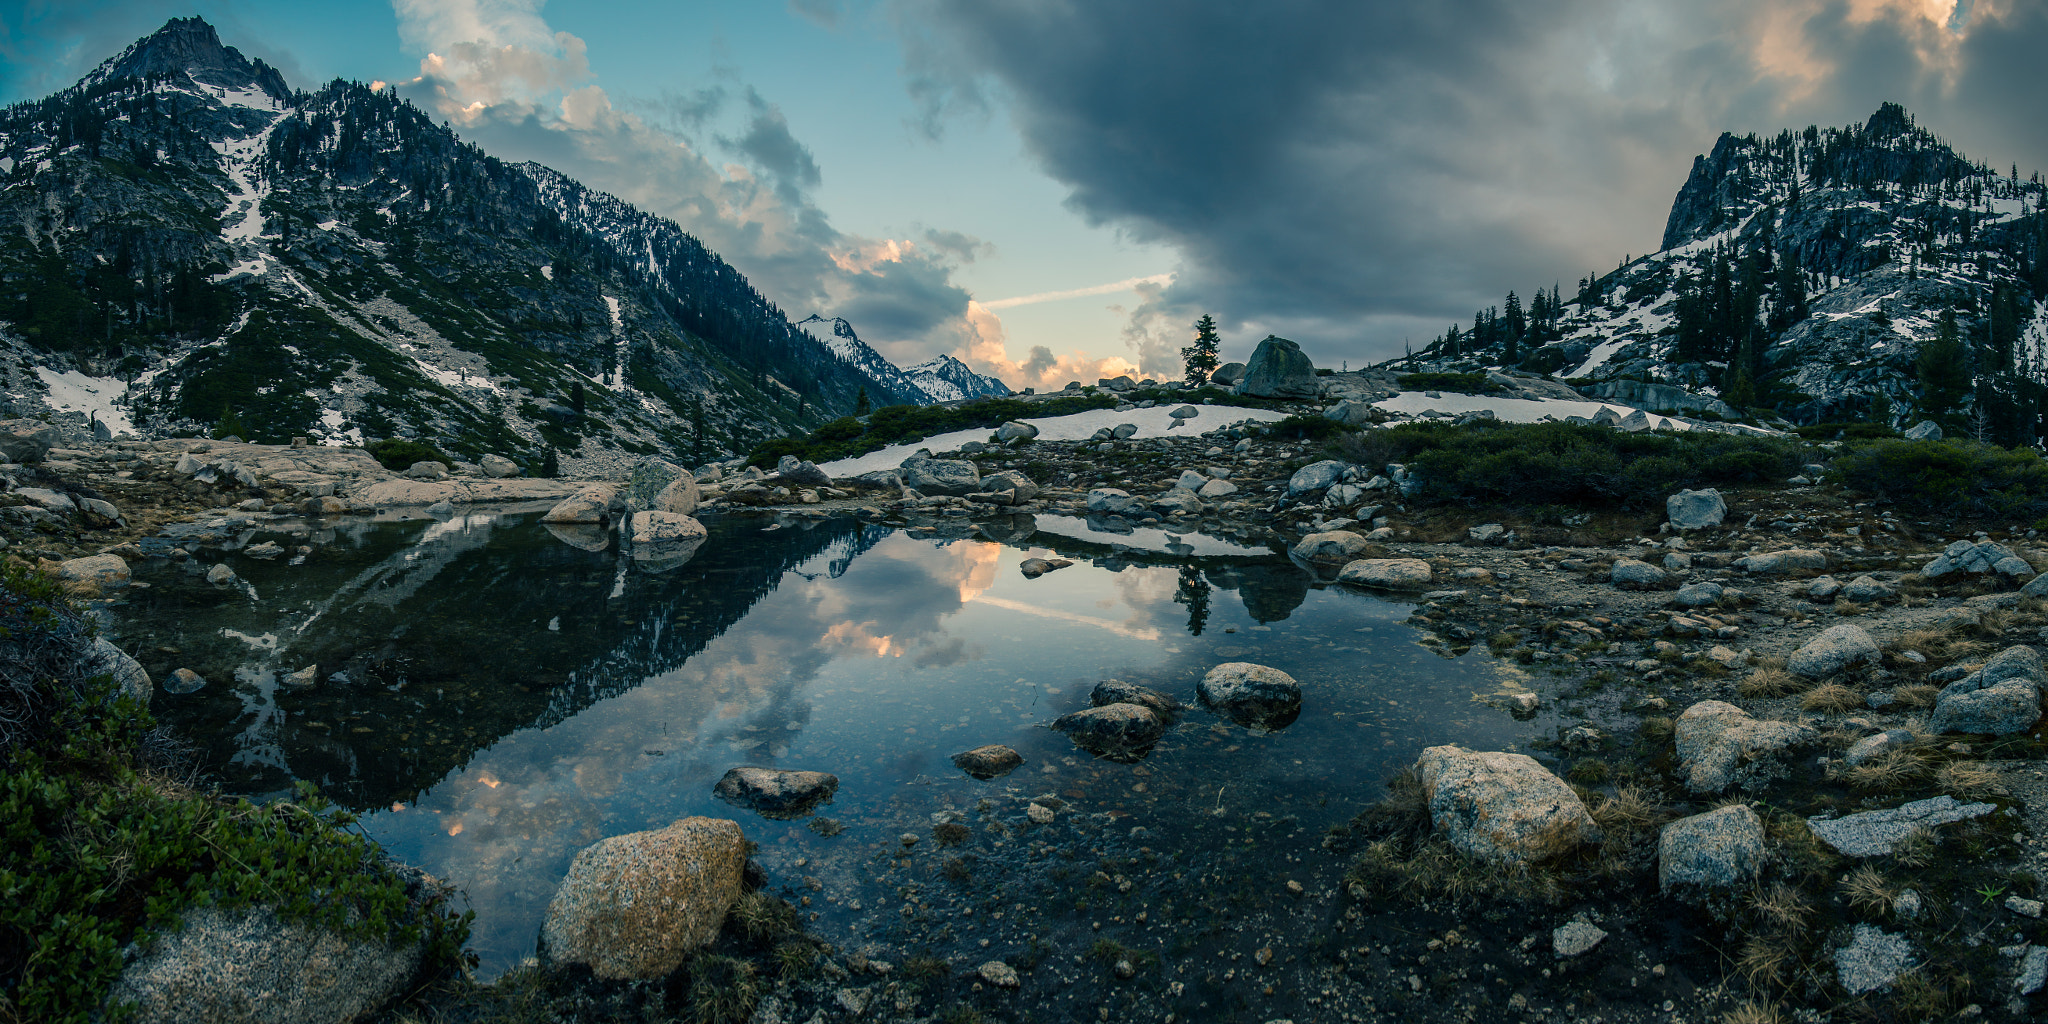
1200, 357
1944, 371
861, 406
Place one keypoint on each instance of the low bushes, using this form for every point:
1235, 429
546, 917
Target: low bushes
399, 456
99, 848
1564, 463
1461, 383
1948, 475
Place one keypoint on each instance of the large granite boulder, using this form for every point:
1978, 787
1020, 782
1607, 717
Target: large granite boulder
1720, 745
1925, 430
664, 528
796, 472
248, 966
988, 762
1386, 573
657, 486
1788, 560
26, 440
1113, 501
1635, 574
957, 477
2000, 699
1117, 691
636, 905
94, 573
1836, 648
1695, 510
1316, 477
775, 793
1279, 369
1719, 849
1331, 547
1227, 375
1021, 487
497, 467
1502, 807
1013, 430
1254, 696
128, 674
592, 504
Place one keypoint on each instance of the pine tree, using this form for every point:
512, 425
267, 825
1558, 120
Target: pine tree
861, 405
550, 464
1200, 358
1943, 369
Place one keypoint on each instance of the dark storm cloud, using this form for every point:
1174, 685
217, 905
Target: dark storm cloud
1354, 173
768, 144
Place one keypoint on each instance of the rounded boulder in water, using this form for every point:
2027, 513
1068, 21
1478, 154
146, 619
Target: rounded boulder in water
1254, 696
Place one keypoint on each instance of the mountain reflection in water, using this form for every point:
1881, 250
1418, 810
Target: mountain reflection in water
496, 697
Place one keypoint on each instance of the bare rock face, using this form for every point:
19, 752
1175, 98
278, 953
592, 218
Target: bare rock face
633, 906
1719, 745
777, 794
1502, 807
250, 967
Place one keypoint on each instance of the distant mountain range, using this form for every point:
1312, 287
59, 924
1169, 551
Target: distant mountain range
939, 379
1810, 274
339, 265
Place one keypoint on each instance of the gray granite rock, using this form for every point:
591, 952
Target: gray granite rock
1874, 833
1873, 960
1720, 745
1695, 510
1835, 649
1502, 807
2002, 698
1721, 848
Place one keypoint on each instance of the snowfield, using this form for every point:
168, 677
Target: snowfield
94, 396
1080, 426
1515, 410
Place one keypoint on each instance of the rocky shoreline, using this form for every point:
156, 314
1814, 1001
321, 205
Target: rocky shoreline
1753, 672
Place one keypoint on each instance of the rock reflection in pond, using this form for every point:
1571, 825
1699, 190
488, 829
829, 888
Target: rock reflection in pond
584, 536
487, 749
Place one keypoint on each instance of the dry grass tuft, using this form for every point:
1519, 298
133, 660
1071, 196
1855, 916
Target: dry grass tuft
1849, 608
1917, 850
1767, 682
1768, 961
1833, 698
1658, 727
1916, 695
1969, 780
1752, 1012
1868, 891
1888, 771
1781, 906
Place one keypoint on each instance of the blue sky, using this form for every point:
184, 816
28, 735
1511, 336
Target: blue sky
1353, 174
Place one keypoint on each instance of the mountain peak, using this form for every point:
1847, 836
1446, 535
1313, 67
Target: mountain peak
189, 48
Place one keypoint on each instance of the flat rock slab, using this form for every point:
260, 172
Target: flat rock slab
1874, 833
463, 492
1575, 937
1872, 960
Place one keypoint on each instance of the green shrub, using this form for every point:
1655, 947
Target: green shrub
1304, 427
1462, 383
1845, 431
1564, 463
97, 853
399, 456
1948, 475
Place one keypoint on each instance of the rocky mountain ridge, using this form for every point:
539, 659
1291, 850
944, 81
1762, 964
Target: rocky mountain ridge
1804, 275
212, 248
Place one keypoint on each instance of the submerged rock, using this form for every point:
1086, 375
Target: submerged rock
636, 905
1116, 691
1033, 568
1502, 807
1114, 732
1720, 745
989, 762
1254, 696
95, 573
774, 793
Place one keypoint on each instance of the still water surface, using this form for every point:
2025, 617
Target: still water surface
495, 696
